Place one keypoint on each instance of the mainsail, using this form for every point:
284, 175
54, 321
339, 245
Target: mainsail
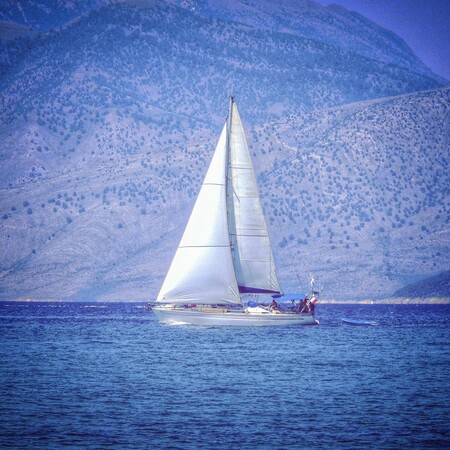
252, 254
225, 247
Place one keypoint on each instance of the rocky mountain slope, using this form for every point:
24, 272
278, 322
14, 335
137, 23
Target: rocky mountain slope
434, 287
362, 191
109, 121
333, 25
45, 14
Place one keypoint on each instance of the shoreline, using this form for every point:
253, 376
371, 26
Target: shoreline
388, 301
391, 301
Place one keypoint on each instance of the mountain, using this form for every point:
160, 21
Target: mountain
108, 122
359, 194
45, 14
433, 287
152, 67
333, 25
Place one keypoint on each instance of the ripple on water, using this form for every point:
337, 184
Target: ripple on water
113, 377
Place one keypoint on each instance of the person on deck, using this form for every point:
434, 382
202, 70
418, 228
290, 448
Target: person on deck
274, 305
303, 306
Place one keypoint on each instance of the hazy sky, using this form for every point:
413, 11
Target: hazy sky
423, 24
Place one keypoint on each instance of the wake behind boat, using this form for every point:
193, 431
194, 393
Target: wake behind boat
225, 250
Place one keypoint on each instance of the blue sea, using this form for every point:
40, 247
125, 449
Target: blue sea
104, 376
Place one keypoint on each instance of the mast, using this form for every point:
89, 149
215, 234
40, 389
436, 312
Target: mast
228, 182
229, 122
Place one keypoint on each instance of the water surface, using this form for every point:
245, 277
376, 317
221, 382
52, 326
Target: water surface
109, 376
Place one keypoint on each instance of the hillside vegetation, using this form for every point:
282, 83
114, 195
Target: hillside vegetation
109, 120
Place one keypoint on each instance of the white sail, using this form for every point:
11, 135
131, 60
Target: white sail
225, 248
252, 253
202, 270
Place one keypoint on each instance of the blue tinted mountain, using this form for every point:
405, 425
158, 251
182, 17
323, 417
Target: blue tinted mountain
360, 194
45, 14
433, 287
333, 25
107, 125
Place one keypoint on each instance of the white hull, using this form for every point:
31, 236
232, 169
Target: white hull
229, 318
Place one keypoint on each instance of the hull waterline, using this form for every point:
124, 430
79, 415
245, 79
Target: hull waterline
230, 318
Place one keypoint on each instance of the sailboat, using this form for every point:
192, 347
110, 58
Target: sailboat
225, 251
